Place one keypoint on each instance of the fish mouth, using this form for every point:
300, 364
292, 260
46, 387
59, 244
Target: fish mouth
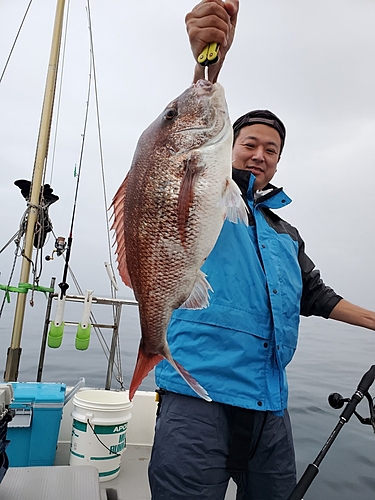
203, 87
218, 118
214, 125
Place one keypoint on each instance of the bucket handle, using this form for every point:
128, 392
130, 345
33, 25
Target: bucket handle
79, 384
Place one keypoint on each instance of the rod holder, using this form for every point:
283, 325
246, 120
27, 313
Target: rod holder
55, 334
56, 330
84, 327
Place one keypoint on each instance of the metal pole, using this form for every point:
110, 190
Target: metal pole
113, 347
14, 351
45, 333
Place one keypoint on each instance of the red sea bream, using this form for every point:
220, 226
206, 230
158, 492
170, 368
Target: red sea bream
168, 214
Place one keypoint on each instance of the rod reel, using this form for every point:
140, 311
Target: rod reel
60, 247
337, 401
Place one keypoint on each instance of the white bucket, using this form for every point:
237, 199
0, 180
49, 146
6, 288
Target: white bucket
100, 420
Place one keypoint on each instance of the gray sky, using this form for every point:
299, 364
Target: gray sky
312, 63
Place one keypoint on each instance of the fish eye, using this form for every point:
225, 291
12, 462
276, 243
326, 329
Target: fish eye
170, 113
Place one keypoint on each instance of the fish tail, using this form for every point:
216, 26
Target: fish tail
145, 363
190, 380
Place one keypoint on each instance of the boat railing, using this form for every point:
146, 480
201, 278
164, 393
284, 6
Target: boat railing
116, 303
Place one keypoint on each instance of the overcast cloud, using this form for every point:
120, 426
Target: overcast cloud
312, 63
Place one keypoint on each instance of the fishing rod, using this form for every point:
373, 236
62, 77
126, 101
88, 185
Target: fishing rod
337, 401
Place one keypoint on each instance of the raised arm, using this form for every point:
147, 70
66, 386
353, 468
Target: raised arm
211, 21
354, 315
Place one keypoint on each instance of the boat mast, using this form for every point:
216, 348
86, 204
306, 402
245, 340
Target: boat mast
14, 351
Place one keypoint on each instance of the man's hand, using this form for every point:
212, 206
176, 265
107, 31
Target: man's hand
211, 21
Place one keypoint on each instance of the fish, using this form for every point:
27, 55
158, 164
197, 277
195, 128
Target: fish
168, 214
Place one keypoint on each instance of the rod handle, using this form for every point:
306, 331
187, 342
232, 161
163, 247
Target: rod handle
304, 483
367, 380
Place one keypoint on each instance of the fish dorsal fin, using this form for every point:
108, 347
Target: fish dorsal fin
198, 299
118, 227
235, 208
192, 170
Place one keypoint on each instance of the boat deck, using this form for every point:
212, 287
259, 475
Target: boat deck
68, 483
132, 482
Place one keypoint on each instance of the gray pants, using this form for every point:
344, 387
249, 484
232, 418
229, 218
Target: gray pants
191, 447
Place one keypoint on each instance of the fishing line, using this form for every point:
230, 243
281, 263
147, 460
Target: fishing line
1, 78
113, 290
60, 92
64, 285
15, 41
100, 142
62, 65
39, 232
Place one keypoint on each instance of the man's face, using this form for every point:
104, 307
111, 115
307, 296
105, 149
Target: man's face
257, 149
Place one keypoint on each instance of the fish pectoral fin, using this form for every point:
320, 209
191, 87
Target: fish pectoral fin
235, 207
199, 298
192, 170
190, 380
145, 363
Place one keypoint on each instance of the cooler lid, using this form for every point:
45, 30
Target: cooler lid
38, 392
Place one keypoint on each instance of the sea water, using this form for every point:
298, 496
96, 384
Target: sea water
331, 357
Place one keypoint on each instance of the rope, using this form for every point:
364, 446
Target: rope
9, 241
38, 232
25, 287
15, 41
6, 295
17, 253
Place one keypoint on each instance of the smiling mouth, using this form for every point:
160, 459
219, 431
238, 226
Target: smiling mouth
254, 170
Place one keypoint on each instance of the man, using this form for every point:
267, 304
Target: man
239, 346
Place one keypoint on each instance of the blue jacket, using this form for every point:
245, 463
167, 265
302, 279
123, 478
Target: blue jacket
239, 346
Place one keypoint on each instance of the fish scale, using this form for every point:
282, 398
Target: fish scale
168, 214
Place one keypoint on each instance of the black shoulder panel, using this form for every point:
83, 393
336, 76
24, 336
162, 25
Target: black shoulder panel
280, 225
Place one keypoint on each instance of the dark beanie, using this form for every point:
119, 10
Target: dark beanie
261, 116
